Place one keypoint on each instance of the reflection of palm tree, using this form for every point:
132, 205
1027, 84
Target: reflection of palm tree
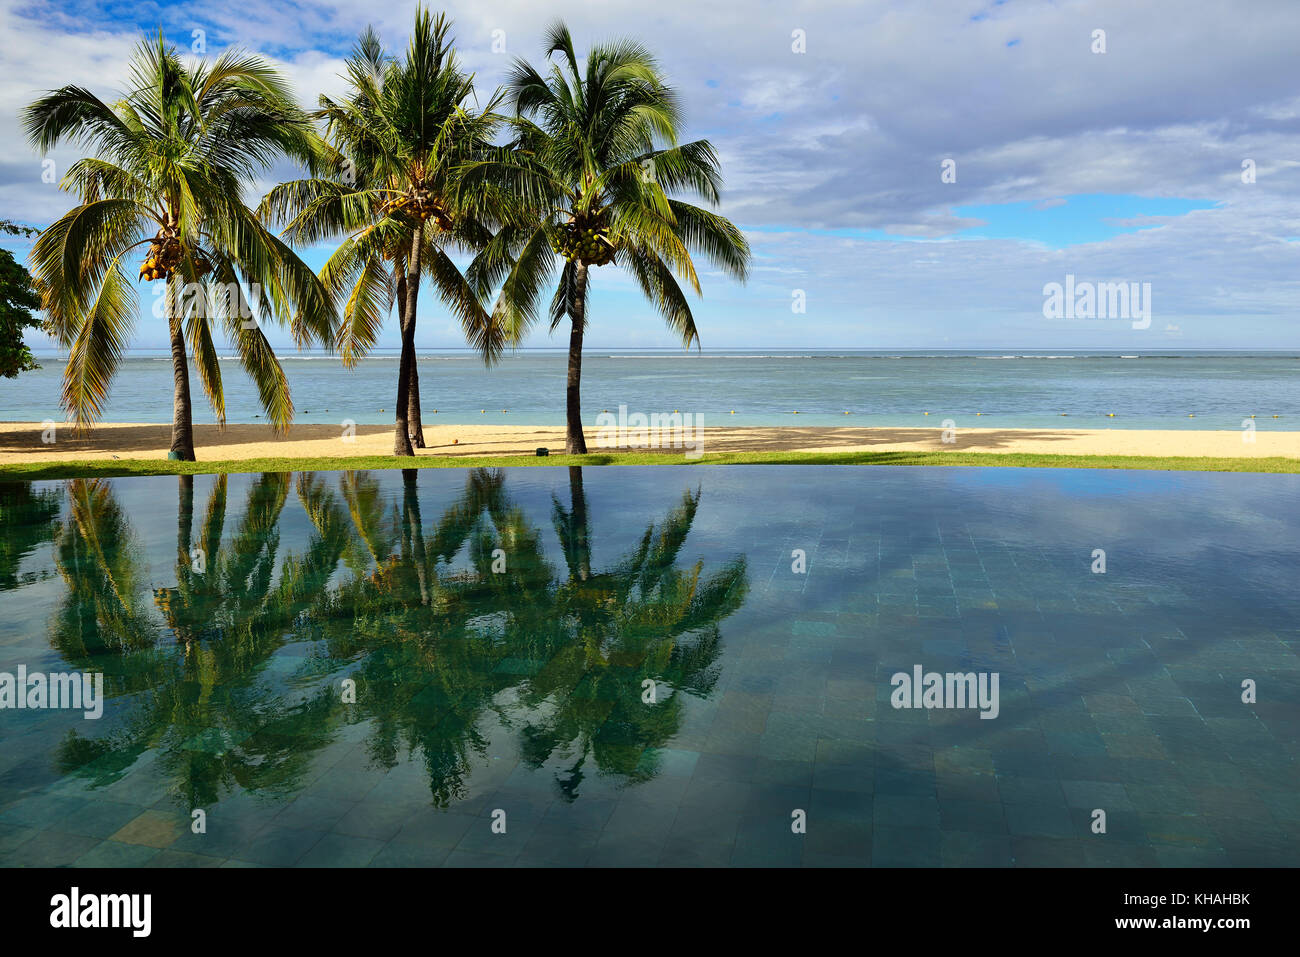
572, 527
437, 635
441, 631
96, 550
29, 518
209, 711
427, 669
642, 621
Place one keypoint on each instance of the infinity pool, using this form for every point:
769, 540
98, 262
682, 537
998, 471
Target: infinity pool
654, 666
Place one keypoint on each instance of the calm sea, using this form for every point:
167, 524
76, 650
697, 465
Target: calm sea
1179, 391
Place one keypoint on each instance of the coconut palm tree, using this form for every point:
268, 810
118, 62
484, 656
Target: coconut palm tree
103, 610
642, 618
170, 161
399, 139
204, 665
595, 158
436, 635
437, 632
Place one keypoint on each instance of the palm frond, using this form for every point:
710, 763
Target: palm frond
98, 346
480, 328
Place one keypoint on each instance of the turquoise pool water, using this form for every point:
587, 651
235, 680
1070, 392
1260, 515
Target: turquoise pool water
654, 666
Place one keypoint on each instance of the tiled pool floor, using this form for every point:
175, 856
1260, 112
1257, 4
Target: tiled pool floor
499, 630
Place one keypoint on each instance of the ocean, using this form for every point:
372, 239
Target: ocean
986, 389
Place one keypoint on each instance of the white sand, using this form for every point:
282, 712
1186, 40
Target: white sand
22, 441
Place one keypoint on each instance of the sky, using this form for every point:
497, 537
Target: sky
908, 175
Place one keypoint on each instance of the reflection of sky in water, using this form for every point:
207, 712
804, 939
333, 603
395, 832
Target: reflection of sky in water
1161, 520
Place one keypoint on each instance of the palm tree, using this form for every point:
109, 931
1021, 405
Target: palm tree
595, 158
642, 618
437, 638
103, 611
399, 139
228, 621
170, 162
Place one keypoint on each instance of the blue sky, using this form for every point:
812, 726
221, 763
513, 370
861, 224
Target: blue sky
916, 176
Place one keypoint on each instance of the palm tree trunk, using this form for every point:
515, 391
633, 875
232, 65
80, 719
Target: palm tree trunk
401, 436
182, 413
578, 514
574, 442
415, 527
185, 517
413, 408
413, 422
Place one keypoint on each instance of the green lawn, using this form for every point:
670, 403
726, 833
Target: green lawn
90, 469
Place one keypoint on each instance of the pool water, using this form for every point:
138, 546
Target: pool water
650, 666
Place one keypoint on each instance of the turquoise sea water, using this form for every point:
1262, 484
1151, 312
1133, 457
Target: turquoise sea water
763, 388
647, 666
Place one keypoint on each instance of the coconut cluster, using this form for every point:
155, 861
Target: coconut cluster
165, 252
585, 240
163, 257
437, 212
421, 204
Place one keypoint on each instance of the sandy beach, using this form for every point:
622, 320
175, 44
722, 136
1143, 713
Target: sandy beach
23, 441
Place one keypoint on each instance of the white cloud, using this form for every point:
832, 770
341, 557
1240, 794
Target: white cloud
850, 135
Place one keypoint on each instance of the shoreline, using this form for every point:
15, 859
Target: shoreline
21, 442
